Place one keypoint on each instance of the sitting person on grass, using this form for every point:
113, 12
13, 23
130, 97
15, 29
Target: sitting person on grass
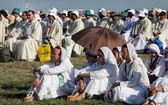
102, 75
53, 79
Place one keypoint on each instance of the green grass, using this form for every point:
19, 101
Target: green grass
16, 78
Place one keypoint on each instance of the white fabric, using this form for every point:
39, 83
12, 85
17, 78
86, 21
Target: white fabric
27, 49
141, 14
52, 14
89, 22
2, 31
102, 76
65, 12
132, 11
50, 86
75, 12
145, 10
117, 25
105, 23
14, 31
133, 82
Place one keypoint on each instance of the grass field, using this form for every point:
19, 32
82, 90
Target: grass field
16, 78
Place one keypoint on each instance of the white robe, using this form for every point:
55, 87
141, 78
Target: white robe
55, 32
14, 31
2, 33
27, 49
104, 22
133, 81
89, 22
117, 26
50, 86
102, 76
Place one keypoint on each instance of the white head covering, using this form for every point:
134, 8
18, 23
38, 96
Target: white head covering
132, 11
53, 14
65, 12
154, 48
159, 10
141, 14
64, 54
53, 9
103, 11
75, 12
92, 11
164, 11
145, 10
108, 55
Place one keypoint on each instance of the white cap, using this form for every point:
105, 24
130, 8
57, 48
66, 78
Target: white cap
103, 11
164, 11
132, 11
159, 10
65, 12
92, 11
53, 9
52, 14
75, 12
145, 10
141, 14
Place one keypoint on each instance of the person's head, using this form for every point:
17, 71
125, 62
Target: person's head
153, 50
116, 53
16, 12
105, 55
162, 15
64, 14
123, 16
124, 52
151, 15
56, 54
91, 55
42, 14
4, 13
102, 13
31, 15
11, 19
131, 13
74, 15
52, 17
115, 16
141, 15
24, 15
87, 14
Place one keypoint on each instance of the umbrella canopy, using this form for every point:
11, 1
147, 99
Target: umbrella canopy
95, 37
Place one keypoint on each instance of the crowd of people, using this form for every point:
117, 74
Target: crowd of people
118, 74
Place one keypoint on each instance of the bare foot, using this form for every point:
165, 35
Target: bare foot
146, 102
29, 97
73, 96
78, 98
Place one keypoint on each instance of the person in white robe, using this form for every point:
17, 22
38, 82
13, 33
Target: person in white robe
133, 80
2, 31
31, 38
73, 28
88, 21
24, 18
117, 24
129, 24
158, 92
54, 78
14, 31
161, 29
154, 63
104, 21
65, 19
4, 19
54, 31
102, 75
142, 32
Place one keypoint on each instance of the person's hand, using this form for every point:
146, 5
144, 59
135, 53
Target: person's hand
36, 82
79, 77
151, 91
110, 94
36, 70
158, 88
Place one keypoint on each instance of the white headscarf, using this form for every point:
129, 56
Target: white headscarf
64, 54
131, 51
154, 48
108, 55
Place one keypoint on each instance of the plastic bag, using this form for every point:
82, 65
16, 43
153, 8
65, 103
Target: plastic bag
44, 52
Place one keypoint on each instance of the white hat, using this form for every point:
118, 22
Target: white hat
141, 14
164, 11
92, 11
52, 14
53, 9
132, 11
159, 10
103, 11
145, 10
65, 12
75, 12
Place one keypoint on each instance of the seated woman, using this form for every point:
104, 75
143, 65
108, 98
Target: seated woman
53, 79
154, 63
102, 75
133, 80
116, 51
91, 57
158, 92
